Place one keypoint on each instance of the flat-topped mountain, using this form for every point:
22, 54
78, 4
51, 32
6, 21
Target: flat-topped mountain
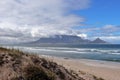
66, 39
62, 39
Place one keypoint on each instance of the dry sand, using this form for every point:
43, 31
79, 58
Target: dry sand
103, 69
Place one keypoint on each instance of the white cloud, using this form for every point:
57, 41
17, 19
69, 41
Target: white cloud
106, 30
111, 39
109, 33
78, 4
36, 18
110, 28
82, 35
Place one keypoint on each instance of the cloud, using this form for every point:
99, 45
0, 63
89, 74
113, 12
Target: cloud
30, 19
82, 35
78, 4
111, 28
111, 39
106, 30
110, 33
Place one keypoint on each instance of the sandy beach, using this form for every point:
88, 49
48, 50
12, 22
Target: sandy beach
102, 69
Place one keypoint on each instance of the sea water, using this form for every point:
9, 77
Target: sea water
107, 52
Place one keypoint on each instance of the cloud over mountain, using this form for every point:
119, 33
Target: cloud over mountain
29, 19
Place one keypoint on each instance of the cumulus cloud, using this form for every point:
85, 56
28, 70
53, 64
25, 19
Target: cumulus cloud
30, 19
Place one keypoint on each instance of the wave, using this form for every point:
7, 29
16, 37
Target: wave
77, 50
68, 50
75, 53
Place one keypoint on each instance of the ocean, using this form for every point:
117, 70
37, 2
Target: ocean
105, 52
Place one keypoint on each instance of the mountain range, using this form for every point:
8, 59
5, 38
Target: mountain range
67, 39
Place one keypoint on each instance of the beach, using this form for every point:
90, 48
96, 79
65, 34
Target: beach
103, 69
93, 61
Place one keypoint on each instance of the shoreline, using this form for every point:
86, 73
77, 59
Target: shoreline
104, 69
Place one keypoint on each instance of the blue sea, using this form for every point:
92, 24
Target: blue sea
106, 52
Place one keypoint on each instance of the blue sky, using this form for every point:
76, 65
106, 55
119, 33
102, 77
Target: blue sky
99, 14
102, 12
28, 20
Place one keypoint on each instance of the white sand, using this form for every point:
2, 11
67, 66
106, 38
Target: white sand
103, 69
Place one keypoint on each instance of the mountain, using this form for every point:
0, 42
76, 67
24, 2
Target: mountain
62, 39
98, 41
66, 39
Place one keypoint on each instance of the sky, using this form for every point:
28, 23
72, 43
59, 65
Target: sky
29, 20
